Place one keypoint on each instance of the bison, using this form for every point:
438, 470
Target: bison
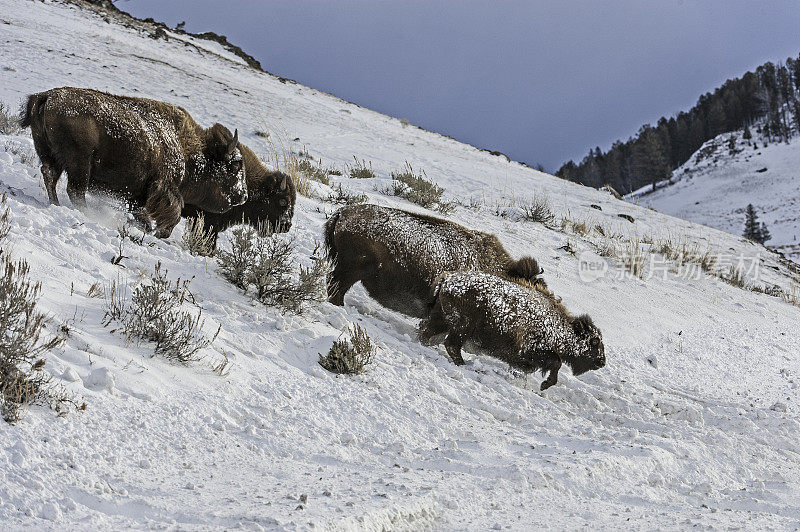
271, 199
397, 255
517, 322
149, 152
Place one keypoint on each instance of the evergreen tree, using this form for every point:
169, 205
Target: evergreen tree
747, 135
763, 233
753, 230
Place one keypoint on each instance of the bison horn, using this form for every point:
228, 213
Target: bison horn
284, 184
234, 142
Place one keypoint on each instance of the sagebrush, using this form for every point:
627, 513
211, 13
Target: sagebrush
23, 339
155, 314
197, 239
360, 170
349, 356
263, 262
9, 121
417, 188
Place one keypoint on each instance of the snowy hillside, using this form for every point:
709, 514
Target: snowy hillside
715, 186
693, 421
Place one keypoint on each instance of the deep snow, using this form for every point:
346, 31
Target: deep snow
694, 420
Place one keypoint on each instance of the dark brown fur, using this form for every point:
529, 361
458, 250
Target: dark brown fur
397, 255
149, 152
271, 199
520, 323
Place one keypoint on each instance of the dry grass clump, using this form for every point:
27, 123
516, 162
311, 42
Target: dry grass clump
579, 227
360, 170
154, 314
416, 188
312, 171
349, 356
196, 239
346, 198
633, 257
9, 121
735, 277
537, 209
264, 262
683, 252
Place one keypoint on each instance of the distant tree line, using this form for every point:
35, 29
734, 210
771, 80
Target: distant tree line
768, 98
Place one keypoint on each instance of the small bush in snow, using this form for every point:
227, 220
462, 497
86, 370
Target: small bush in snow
9, 121
21, 338
416, 188
346, 198
313, 172
154, 313
360, 170
538, 210
349, 356
633, 257
198, 240
265, 262
22, 343
735, 277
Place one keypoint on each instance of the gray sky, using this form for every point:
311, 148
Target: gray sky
540, 80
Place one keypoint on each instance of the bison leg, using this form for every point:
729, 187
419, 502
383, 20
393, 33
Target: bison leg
78, 175
453, 344
433, 325
51, 175
340, 280
554, 364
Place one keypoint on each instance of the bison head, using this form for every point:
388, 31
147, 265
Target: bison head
220, 175
590, 353
272, 201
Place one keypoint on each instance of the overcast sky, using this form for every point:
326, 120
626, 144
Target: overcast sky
540, 80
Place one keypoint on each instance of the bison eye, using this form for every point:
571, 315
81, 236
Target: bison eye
283, 202
595, 342
236, 165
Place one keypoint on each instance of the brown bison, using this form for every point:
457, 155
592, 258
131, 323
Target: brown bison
519, 323
151, 153
397, 255
271, 199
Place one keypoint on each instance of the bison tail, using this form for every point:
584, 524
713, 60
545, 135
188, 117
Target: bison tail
330, 229
525, 268
35, 102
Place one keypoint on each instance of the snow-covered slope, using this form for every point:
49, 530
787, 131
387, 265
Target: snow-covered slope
715, 186
694, 421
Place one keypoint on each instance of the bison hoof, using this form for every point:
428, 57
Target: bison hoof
545, 385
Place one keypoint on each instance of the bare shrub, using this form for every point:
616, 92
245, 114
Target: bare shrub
360, 170
265, 263
154, 313
735, 277
22, 343
537, 209
9, 121
416, 188
196, 239
313, 171
94, 291
346, 198
349, 356
634, 257
581, 227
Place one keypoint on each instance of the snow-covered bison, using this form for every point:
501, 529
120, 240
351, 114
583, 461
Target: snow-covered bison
517, 322
151, 153
271, 199
397, 255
